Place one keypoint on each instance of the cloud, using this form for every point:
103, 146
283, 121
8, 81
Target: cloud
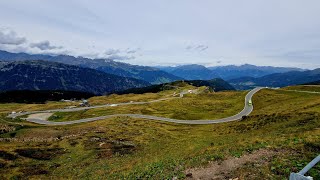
14, 49
120, 57
189, 47
92, 55
111, 52
44, 45
10, 37
12, 42
199, 47
132, 51
24, 48
218, 62
202, 47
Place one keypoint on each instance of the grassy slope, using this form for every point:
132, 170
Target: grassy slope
191, 106
9, 107
313, 88
97, 100
125, 147
285, 102
114, 98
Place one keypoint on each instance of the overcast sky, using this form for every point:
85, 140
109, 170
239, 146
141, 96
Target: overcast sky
167, 32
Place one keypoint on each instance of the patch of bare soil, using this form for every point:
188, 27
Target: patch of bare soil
106, 148
42, 116
220, 170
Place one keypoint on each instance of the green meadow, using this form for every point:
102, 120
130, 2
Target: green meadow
284, 122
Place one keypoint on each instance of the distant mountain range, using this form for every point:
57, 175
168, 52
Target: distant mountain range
278, 79
149, 74
246, 76
191, 72
44, 75
196, 72
232, 71
313, 83
103, 71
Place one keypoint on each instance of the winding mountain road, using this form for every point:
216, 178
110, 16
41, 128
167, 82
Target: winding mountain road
245, 112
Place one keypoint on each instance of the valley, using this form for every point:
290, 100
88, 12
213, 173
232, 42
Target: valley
65, 120
159, 90
284, 124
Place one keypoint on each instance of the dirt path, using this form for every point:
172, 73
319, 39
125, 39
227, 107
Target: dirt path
218, 170
40, 116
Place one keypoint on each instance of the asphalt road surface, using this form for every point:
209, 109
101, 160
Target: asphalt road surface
245, 112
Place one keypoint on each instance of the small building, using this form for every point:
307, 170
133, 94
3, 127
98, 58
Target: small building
84, 103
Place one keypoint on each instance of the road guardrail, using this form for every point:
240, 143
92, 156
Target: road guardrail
300, 174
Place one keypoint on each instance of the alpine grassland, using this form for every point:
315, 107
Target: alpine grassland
284, 124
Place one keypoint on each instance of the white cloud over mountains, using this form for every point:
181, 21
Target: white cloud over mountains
121, 55
10, 37
110, 52
11, 41
44, 45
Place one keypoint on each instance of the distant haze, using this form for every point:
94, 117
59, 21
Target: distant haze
167, 32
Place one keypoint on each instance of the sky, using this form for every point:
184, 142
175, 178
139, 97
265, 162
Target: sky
167, 32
